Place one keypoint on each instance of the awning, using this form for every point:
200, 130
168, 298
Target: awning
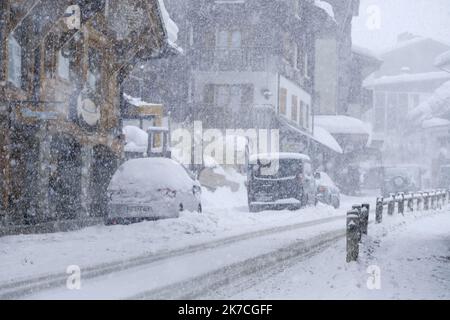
338, 124
322, 136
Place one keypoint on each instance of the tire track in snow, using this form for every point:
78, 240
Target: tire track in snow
23, 287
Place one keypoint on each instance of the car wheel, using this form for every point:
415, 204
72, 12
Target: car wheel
337, 204
200, 210
181, 207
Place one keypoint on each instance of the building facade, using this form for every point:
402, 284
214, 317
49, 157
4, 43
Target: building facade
62, 66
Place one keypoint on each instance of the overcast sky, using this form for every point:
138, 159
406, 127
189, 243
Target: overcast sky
378, 28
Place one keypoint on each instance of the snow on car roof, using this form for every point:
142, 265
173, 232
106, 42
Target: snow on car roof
280, 156
151, 173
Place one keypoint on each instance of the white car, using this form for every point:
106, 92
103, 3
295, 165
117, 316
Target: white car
150, 189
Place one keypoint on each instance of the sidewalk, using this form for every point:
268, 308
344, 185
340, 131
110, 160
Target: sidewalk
411, 253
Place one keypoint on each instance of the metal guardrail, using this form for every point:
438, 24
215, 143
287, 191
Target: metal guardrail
358, 217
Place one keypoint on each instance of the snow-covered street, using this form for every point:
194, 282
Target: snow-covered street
228, 253
226, 219
409, 255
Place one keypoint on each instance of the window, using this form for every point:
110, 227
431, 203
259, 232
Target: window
308, 111
236, 39
402, 103
392, 110
415, 100
191, 36
294, 109
63, 66
94, 70
222, 39
14, 62
283, 100
306, 65
229, 39
223, 95
302, 112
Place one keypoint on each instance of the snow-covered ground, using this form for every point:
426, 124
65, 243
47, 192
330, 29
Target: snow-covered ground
225, 214
410, 254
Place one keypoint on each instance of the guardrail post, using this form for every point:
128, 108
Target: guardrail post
352, 235
401, 204
391, 205
365, 210
357, 208
411, 202
426, 202
433, 202
419, 201
379, 210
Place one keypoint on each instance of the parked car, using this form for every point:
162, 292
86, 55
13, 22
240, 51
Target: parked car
280, 181
327, 192
150, 189
401, 179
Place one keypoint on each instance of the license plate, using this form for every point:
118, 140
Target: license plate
141, 210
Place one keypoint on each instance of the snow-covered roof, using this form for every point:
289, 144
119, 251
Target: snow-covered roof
443, 59
138, 102
435, 122
406, 78
322, 136
438, 105
339, 124
328, 8
365, 52
169, 25
279, 156
404, 44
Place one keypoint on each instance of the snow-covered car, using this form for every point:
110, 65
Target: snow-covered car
150, 189
327, 191
401, 179
279, 181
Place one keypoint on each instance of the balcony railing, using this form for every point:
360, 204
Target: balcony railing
234, 117
231, 59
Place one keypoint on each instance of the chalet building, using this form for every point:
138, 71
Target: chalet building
246, 64
407, 78
62, 68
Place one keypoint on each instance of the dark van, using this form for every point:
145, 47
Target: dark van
280, 181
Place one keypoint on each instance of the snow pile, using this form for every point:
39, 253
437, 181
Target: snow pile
325, 6
136, 139
437, 106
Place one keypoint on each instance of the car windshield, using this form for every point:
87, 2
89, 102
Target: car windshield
282, 168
